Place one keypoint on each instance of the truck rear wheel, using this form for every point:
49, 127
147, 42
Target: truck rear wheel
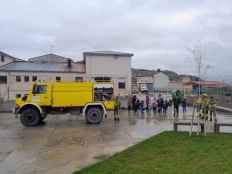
94, 115
30, 117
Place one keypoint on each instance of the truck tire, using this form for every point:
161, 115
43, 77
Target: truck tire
30, 117
94, 115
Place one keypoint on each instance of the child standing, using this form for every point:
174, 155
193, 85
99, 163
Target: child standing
142, 106
184, 106
116, 109
154, 105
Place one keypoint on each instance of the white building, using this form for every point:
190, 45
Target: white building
17, 75
161, 82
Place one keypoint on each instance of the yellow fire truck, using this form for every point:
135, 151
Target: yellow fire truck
91, 99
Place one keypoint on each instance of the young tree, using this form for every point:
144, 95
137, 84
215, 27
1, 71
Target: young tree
198, 54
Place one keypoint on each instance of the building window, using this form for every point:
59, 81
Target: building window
2, 58
79, 79
26, 78
102, 79
58, 78
18, 79
3, 79
121, 84
34, 78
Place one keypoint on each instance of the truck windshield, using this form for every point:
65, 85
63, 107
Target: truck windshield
39, 89
103, 94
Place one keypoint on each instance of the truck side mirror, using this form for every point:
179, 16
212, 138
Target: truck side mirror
18, 95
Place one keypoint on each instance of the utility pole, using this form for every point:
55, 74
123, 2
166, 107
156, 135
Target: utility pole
199, 74
197, 52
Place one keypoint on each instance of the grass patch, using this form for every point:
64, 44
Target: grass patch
171, 153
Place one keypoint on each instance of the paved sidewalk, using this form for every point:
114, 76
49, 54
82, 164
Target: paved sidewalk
7, 106
66, 142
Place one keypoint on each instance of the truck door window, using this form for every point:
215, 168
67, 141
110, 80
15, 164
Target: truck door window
40, 89
103, 94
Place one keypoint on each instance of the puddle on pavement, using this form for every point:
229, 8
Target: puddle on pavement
63, 140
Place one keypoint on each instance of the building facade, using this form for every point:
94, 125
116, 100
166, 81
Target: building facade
145, 83
161, 82
16, 76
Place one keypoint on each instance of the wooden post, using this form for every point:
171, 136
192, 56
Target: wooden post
202, 128
215, 127
175, 126
218, 128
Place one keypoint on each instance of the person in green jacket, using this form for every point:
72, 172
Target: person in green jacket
117, 106
177, 99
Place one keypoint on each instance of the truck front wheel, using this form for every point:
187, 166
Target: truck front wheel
94, 115
30, 117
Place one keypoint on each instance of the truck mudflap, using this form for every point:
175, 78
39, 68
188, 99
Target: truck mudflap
15, 111
94, 104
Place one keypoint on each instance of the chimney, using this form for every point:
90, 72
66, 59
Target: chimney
69, 63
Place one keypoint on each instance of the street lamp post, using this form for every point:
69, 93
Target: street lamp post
199, 74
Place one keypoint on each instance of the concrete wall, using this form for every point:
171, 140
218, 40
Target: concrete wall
117, 68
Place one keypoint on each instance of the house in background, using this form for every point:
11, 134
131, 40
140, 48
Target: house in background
17, 75
175, 85
161, 83
6, 58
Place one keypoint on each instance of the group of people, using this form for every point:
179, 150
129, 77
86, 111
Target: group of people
158, 105
161, 105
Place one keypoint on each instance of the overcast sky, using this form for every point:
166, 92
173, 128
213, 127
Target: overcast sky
158, 32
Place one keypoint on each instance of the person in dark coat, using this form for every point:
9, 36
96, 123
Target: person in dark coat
165, 107
160, 105
137, 105
134, 103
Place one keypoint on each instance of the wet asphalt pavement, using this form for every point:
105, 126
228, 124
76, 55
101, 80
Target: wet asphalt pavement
66, 143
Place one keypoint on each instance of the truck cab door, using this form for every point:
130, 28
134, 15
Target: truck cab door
41, 94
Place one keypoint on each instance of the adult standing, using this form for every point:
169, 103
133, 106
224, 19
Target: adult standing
160, 105
129, 103
134, 103
165, 107
176, 98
